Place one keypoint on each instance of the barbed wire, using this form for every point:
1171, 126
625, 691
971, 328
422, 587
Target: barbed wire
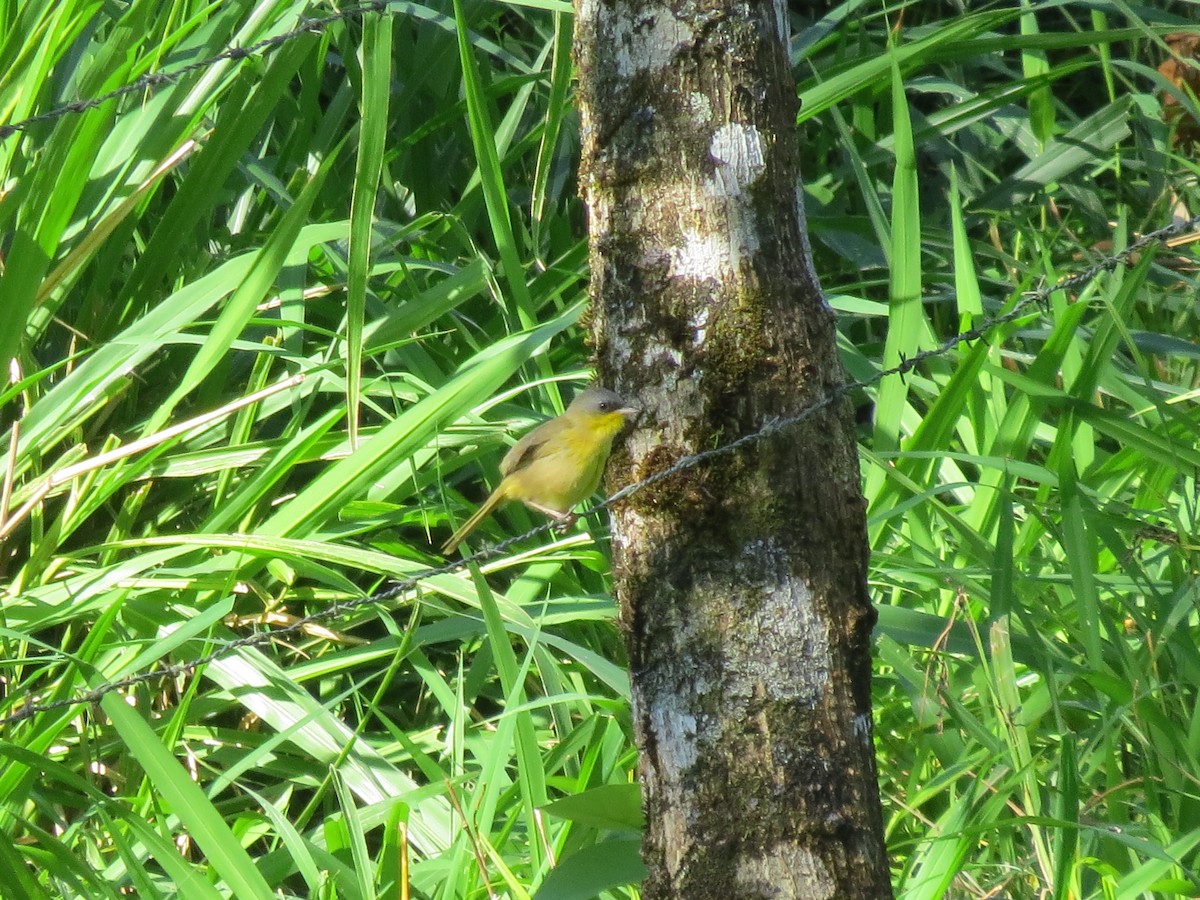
986, 325
154, 80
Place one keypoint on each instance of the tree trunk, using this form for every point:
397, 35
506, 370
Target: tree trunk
742, 581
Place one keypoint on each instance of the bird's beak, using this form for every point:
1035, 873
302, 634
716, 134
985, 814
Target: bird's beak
629, 411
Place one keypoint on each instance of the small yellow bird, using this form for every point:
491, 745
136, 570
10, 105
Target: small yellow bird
559, 464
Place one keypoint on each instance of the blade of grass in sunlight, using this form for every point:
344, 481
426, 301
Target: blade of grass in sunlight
907, 328
376, 89
483, 139
204, 823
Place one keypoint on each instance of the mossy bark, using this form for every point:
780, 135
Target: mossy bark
742, 582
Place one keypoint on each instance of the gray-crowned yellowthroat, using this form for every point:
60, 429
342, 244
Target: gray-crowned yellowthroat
558, 464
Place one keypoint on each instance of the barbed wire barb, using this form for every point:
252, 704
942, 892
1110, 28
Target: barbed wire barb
772, 426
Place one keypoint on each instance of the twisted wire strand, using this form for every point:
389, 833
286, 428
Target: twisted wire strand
154, 80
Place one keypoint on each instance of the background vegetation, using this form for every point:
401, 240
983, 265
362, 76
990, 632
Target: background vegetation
385, 206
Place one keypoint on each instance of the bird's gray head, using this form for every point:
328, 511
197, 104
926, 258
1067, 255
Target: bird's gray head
601, 401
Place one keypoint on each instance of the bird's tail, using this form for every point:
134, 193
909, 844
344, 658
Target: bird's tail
496, 498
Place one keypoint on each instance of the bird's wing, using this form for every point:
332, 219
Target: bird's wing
524, 451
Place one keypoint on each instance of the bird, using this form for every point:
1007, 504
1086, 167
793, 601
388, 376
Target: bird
559, 463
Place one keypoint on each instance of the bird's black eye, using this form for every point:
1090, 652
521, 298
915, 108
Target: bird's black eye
604, 404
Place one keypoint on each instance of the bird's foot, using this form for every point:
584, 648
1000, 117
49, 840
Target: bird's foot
564, 521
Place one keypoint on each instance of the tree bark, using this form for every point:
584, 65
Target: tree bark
742, 581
